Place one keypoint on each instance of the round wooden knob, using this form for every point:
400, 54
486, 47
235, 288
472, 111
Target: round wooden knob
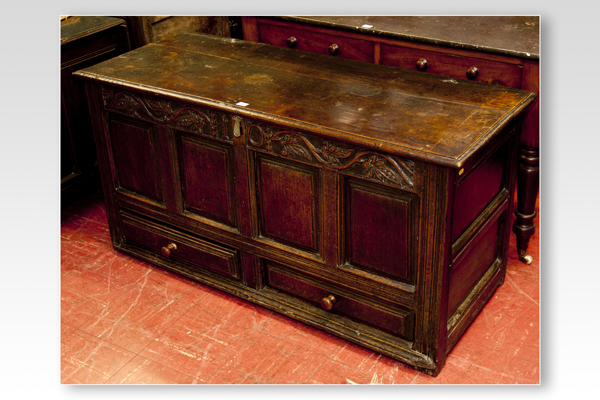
328, 302
291, 42
333, 49
166, 250
422, 64
472, 73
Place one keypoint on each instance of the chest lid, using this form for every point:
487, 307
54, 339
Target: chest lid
410, 114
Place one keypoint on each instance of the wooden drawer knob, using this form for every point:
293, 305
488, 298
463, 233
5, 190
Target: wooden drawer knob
166, 250
472, 73
291, 42
422, 64
328, 302
333, 49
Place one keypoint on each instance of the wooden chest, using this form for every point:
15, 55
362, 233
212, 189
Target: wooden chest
365, 200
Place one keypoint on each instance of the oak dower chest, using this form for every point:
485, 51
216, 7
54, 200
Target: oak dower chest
365, 200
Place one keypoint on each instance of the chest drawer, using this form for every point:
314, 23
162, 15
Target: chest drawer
334, 301
189, 252
455, 66
314, 42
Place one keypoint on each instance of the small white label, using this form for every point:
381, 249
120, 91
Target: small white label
241, 104
367, 26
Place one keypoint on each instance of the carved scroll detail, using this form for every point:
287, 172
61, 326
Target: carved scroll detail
170, 113
375, 166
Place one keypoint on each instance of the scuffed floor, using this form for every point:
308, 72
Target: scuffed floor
124, 321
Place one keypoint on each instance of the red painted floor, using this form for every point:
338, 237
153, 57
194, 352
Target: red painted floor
124, 321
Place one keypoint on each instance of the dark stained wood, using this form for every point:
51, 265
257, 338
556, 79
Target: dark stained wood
293, 202
368, 93
208, 189
498, 50
84, 41
331, 212
250, 29
168, 170
242, 171
200, 254
471, 264
434, 259
478, 189
529, 165
379, 230
530, 135
475, 69
513, 36
74, 28
396, 323
287, 200
136, 161
360, 50
528, 176
250, 267
151, 28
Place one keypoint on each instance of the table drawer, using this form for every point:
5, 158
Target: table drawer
455, 66
314, 42
180, 248
397, 322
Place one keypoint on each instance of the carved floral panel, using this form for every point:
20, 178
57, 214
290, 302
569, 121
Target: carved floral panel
170, 113
354, 161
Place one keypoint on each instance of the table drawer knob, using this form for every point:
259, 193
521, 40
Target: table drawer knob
422, 64
333, 49
472, 73
291, 42
328, 302
166, 250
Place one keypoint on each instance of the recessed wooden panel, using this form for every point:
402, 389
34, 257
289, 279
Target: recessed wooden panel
472, 263
136, 161
478, 189
289, 211
207, 179
379, 229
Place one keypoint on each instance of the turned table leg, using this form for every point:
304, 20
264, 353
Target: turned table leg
528, 171
527, 189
